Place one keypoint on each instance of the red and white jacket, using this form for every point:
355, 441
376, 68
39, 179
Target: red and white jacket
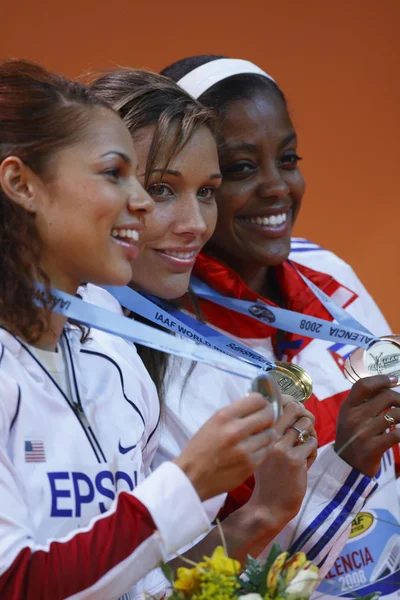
78, 519
336, 492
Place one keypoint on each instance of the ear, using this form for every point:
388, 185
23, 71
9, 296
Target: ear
17, 181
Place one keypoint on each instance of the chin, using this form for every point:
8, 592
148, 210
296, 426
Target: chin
274, 255
117, 277
173, 288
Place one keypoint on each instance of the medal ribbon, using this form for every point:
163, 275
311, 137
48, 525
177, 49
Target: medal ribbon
292, 321
139, 333
337, 312
158, 311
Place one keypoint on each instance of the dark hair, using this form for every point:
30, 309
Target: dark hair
235, 87
144, 98
40, 113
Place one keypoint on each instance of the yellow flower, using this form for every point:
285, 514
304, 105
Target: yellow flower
303, 584
221, 563
298, 574
187, 579
275, 573
294, 564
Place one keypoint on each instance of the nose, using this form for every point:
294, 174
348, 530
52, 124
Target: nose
273, 185
189, 218
139, 200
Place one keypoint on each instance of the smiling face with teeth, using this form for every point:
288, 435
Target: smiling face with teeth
184, 216
262, 187
89, 210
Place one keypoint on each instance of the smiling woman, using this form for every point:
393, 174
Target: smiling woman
81, 515
253, 257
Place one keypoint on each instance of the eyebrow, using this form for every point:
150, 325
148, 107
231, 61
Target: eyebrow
179, 174
292, 137
235, 146
240, 146
127, 160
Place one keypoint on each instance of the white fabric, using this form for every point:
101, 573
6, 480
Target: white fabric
207, 390
59, 490
202, 78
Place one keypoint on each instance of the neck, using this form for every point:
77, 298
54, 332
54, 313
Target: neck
255, 276
56, 323
49, 339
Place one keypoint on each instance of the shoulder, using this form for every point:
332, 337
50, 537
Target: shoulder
362, 306
97, 295
313, 256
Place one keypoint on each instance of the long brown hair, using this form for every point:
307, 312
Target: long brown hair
40, 113
143, 98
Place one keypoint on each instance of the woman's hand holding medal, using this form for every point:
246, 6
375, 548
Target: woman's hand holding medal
281, 481
365, 424
229, 446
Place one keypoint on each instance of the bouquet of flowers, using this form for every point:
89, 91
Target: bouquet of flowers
281, 577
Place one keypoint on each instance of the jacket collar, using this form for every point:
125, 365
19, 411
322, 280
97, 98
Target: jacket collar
296, 293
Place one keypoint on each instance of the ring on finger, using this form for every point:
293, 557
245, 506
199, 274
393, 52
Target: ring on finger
389, 419
304, 435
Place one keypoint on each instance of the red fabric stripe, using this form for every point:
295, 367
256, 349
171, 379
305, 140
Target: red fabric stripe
297, 294
69, 567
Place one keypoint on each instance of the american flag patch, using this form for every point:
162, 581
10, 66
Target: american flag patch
34, 451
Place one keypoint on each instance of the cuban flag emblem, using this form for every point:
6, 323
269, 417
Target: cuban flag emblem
34, 451
339, 353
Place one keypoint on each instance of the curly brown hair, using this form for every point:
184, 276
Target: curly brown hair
40, 113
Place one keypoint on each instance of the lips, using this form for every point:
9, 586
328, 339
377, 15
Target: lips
180, 259
182, 255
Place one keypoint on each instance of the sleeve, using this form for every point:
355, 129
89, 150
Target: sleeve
335, 494
110, 555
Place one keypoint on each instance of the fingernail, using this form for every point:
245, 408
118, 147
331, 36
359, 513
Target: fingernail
394, 380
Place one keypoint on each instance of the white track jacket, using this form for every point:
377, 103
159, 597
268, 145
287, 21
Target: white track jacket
77, 518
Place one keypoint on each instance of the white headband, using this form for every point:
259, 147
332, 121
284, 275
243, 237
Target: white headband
202, 78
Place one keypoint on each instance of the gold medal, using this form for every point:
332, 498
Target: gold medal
381, 358
292, 380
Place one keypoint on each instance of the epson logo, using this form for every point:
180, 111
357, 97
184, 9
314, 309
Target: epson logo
262, 312
71, 490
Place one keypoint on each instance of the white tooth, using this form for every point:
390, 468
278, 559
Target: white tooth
284, 217
135, 235
279, 219
114, 233
122, 233
265, 221
129, 233
259, 220
272, 220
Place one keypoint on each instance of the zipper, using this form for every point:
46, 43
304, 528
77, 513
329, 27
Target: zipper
76, 401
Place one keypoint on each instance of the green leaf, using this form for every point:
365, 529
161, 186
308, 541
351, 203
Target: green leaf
253, 571
168, 572
272, 556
